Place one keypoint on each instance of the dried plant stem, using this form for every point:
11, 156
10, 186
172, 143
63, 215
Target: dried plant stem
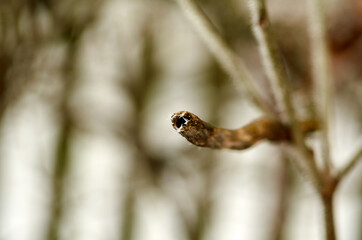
271, 58
322, 94
329, 216
321, 75
352, 161
281, 208
204, 134
227, 58
274, 68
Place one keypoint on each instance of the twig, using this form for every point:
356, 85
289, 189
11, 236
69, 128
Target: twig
352, 161
282, 194
322, 95
321, 75
204, 134
275, 70
271, 57
227, 58
329, 216
298, 161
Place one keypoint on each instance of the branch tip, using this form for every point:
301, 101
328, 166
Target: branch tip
203, 134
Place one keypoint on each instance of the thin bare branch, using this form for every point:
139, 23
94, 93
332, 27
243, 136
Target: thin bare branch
283, 177
274, 68
328, 205
227, 58
352, 161
204, 134
297, 159
322, 97
321, 74
271, 58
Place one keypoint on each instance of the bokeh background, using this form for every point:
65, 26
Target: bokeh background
87, 150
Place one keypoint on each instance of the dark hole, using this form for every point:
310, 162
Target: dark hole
181, 122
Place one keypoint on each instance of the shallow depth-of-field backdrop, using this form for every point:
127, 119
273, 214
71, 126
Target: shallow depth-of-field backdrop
87, 150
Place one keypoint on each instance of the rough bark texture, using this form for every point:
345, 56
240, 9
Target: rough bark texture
204, 134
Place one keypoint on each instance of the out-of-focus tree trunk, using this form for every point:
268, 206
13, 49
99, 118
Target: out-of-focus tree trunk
145, 164
62, 158
72, 34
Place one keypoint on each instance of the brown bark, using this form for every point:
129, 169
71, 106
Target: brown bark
204, 134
